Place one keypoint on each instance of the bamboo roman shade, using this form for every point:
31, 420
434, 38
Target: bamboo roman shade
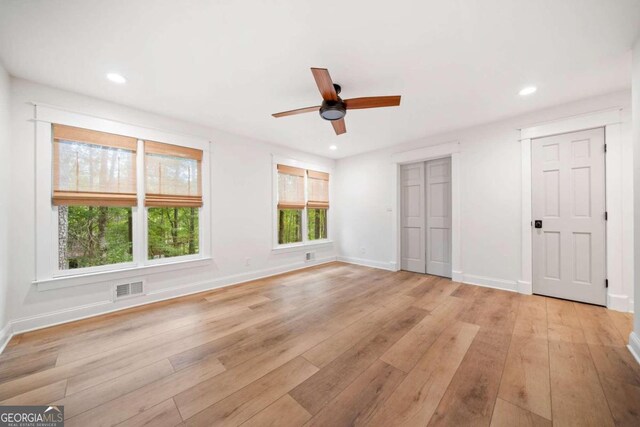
93, 168
173, 175
317, 190
290, 187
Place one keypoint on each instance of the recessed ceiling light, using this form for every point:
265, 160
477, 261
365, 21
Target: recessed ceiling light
333, 147
527, 90
116, 78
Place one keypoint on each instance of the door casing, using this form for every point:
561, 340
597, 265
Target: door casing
611, 120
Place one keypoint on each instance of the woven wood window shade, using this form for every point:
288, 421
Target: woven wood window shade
317, 190
93, 168
173, 175
290, 187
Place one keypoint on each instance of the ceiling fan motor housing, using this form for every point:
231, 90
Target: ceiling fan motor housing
333, 110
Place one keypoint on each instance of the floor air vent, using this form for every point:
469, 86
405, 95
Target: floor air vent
126, 290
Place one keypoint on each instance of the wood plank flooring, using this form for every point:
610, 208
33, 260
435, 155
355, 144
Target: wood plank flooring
335, 345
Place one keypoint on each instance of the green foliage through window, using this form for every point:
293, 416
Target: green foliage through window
172, 232
289, 226
90, 236
317, 223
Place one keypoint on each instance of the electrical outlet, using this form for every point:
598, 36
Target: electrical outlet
363, 250
247, 262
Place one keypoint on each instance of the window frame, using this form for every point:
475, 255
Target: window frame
48, 273
305, 243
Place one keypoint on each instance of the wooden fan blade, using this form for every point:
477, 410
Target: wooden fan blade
339, 126
372, 102
298, 111
325, 84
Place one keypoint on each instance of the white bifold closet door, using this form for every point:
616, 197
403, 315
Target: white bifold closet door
413, 218
568, 208
426, 217
438, 216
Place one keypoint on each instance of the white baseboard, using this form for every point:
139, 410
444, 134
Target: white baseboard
457, 276
391, 266
634, 346
5, 336
525, 287
618, 302
45, 320
490, 282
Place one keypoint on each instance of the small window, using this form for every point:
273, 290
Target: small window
90, 236
303, 203
172, 232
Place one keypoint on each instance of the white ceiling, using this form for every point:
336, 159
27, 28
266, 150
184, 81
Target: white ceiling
230, 64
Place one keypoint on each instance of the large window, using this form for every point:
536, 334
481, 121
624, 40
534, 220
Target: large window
303, 203
97, 193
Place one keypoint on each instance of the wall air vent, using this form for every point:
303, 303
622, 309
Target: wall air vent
128, 290
136, 288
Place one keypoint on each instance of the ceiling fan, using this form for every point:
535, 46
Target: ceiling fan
334, 108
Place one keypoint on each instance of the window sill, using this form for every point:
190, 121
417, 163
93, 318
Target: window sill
295, 247
117, 275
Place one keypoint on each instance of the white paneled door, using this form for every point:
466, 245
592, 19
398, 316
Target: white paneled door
438, 216
568, 201
426, 217
413, 218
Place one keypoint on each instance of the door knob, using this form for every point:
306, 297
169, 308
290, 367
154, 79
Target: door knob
537, 223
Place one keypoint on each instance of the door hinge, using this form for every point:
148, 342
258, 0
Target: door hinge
606, 216
605, 148
606, 283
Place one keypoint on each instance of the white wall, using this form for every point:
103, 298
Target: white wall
634, 338
490, 195
241, 213
5, 165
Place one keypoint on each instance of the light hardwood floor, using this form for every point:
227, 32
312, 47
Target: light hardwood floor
335, 345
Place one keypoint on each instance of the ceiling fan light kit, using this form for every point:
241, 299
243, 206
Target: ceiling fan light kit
333, 108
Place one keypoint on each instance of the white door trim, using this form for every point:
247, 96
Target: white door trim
450, 149
610, 120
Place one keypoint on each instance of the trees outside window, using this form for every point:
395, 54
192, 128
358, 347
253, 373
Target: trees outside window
289, 226
317, 224
91, 236
172, 232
